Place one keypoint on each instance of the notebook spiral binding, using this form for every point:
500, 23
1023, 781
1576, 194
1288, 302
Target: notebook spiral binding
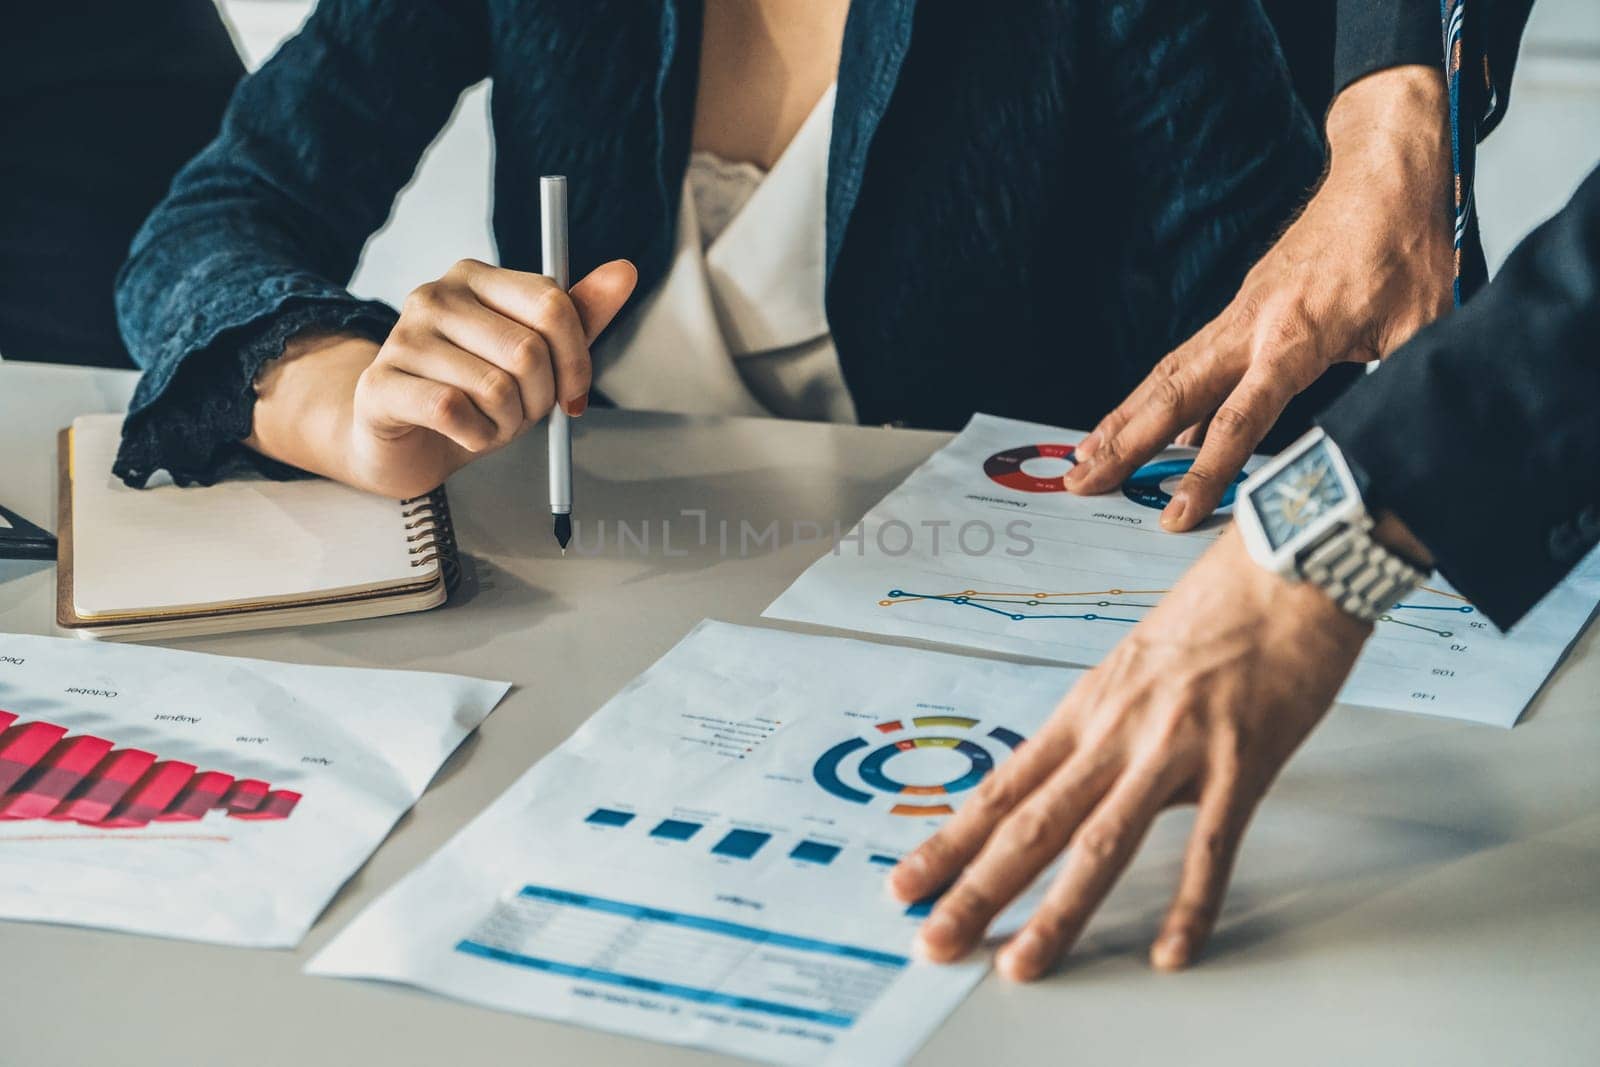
431, 534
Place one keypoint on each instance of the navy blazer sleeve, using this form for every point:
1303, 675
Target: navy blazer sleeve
1483, 431
1214, 182
262, 230
1373, 35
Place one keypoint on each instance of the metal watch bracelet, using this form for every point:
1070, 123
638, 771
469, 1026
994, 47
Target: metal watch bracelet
1362, 576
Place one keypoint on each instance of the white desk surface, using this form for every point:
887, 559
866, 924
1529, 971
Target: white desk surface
1414, 891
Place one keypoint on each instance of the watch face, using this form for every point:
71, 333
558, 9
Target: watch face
1297, 496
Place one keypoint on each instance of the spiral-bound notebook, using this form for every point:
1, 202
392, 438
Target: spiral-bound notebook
245, 554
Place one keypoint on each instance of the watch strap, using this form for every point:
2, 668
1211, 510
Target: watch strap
1363, 577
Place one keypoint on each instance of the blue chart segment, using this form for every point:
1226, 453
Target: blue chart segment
878, 769
826, 771
609, 817
814, 852
1145, 485
675, 829
741, 844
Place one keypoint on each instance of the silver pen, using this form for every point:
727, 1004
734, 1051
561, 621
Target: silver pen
553, 245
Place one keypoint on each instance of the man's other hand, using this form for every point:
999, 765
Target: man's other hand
1368, 263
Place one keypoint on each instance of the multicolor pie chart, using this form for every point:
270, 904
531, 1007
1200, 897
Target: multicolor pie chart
856, 771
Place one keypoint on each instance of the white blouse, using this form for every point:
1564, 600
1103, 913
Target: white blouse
737, 325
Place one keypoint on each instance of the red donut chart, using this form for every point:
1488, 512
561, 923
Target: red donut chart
1006, 468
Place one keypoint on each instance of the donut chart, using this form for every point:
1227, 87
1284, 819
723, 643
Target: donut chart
1005, 468
1144, 486
869, 769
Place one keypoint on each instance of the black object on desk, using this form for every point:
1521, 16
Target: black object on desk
21, 539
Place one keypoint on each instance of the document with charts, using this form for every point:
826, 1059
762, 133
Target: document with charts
204, 797
982, 546
703, 862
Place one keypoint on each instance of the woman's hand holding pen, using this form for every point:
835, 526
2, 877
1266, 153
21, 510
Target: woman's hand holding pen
1365, 266
477, 357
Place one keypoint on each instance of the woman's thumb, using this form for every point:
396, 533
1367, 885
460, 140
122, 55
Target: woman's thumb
601, 294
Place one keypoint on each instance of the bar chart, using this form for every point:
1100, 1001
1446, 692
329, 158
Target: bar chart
741, 843
45, 774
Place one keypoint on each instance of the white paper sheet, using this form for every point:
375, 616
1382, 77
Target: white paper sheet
1066, 576
313, 764
703, 862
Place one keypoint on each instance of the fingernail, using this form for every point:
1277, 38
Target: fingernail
905, 876
937, 933
1172, 518
1170, 953
1020, 960
1078, 470
1087, 446
576, 406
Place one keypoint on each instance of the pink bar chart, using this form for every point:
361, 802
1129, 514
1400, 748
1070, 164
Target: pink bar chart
45, 774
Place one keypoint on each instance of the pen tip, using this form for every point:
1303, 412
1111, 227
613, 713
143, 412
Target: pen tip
563, 531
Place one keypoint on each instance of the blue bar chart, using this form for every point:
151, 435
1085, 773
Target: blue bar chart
609, 817
675, 829
814, 852
740, 844
737, 843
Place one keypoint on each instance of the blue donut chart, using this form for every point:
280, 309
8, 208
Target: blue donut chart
980, 764
1144, 485
826, 771
873, 772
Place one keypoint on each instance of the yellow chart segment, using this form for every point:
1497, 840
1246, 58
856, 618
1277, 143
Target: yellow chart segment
944, 720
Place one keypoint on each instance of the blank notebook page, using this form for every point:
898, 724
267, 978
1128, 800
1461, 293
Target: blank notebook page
245, 541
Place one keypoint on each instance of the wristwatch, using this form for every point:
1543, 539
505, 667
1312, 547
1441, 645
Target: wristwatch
1303, 518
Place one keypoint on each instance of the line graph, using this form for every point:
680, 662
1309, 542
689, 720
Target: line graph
1006, 604
1010, 605
1460, 607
